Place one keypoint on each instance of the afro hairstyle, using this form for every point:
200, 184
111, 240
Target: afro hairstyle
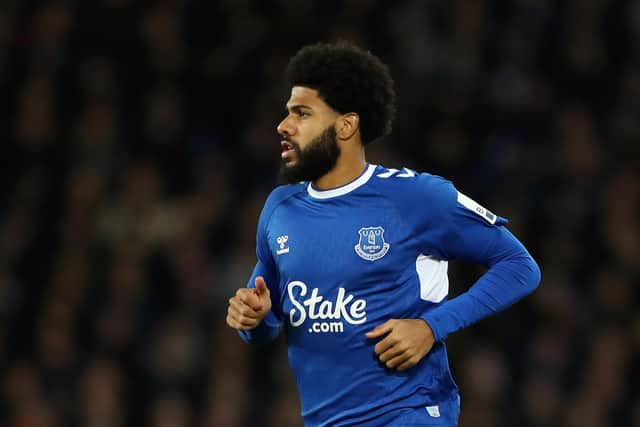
350, 80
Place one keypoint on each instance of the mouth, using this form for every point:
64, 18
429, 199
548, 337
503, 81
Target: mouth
287, 150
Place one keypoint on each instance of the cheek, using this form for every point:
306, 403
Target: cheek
302, 139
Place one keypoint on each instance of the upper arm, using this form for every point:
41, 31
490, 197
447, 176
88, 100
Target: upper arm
454, 226
266, 265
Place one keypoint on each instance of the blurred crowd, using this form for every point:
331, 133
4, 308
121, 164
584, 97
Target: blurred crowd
138, 144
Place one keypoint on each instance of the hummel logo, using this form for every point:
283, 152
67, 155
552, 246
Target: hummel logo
282, 240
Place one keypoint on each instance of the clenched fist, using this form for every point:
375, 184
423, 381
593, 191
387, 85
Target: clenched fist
249, 306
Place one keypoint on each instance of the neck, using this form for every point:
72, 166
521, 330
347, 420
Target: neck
349, 166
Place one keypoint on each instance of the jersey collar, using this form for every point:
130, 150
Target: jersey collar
344, 189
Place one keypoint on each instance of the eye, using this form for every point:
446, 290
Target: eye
303, 114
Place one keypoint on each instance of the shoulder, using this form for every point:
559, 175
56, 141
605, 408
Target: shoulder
424, 193
283, 192
407, 185
277, 197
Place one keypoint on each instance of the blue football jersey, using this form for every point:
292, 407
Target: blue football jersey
340, 262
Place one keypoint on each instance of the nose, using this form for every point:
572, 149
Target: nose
285, 128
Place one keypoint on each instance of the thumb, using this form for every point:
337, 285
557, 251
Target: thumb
261, 287
381, 330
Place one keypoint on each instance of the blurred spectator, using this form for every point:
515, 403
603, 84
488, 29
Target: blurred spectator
102, 394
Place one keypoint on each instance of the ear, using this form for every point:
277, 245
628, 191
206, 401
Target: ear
347, 125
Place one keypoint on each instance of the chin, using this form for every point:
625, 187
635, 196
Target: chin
288, 164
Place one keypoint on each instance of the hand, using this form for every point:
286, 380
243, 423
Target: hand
407, 341
249, 306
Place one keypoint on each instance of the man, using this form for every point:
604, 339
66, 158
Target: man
352, 262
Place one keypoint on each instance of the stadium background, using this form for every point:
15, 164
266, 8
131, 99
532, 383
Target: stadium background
138, 144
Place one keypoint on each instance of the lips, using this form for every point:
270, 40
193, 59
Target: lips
287, 149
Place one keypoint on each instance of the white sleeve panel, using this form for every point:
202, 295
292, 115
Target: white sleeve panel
434, 281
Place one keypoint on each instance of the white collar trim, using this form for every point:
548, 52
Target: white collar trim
347, 188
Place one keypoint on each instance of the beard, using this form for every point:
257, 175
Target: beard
318, 158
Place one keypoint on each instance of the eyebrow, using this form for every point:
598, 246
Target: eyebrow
296, 107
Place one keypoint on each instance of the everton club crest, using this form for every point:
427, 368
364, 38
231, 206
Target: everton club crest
371, 245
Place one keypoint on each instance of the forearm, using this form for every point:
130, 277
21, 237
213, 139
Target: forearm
269, 328
506, 282
267, 331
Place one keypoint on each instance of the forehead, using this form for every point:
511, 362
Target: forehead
305, 96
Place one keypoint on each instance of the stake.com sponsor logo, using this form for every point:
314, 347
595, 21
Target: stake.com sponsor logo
345, 308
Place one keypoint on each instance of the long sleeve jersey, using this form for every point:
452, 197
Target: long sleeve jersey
340, 262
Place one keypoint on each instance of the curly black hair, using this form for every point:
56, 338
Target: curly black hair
350, 80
